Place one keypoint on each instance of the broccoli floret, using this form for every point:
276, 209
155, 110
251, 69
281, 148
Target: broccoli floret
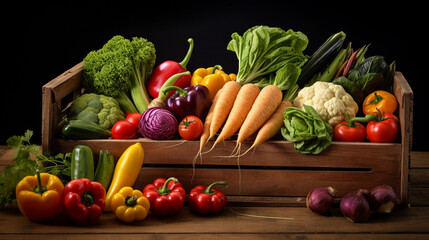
119, 69
102, 110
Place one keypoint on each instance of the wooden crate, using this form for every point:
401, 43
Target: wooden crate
274, 173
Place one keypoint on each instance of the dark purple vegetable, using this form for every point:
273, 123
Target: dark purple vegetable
355, 207
383, 199
158, 124
320, 200
191, 100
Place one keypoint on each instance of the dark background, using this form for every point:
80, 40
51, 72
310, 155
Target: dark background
43, 40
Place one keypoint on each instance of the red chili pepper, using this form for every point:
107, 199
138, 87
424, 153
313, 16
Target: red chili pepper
167, 69
166, 197
207, 200
84, 201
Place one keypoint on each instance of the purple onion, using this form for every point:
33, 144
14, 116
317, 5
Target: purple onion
320, 200
158, 124
355, 207
383, 199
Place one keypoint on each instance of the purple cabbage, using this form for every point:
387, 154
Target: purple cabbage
158, 124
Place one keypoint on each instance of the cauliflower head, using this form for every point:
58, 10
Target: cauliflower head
330, 101
99, 109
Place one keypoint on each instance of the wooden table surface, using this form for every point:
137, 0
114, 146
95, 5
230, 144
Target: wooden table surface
240, 222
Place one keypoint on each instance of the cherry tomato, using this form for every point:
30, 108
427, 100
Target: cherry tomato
124, 130
134, 118
383, 131
191, 128
345, 133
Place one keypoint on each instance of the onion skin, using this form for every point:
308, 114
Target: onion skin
158, 124
383, 199
355, 207
320, 200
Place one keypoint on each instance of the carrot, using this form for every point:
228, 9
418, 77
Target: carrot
340, 71
272, 126
264, 106
223, 106
206, 129
242, 105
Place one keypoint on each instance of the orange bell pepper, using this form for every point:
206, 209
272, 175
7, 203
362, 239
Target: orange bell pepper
379, 102
39, 197
213, 78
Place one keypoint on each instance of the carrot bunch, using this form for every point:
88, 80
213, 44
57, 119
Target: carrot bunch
245, 109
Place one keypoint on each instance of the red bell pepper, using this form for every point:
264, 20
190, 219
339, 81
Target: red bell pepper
84, 201
167, 69
207, 200
166, 197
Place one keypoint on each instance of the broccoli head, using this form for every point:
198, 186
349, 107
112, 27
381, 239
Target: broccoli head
99, 109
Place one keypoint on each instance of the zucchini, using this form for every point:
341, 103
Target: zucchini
82, 163
80, 129
105, 167
321, 58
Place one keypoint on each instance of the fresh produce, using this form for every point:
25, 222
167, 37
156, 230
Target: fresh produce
204, 138
39, 197
372, 74
27, 160
121, 68
158, 124
134, 118
242, 104
379, 101
307, 130
348, 131
80, 129
263, 50
384, 129
124, 130
264, 106
222, 106
271, 127
82, 163
166, 196
192, 100
355, 207
330, 101
190, 128
383, 199
99, 109
165, 93
320, 200
105, 167
126, 171
167, 69
213, 78
130, 205
321, 57
207, 200
84, 201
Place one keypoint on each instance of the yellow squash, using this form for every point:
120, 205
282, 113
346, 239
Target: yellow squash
126, 172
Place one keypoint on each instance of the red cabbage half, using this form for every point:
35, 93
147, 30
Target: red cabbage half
158, 124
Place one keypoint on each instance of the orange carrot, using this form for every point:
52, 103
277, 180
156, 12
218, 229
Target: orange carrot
264, 106
272, 126
242, 105
206, 129
223, 106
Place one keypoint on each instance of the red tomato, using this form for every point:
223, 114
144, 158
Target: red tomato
356, 133
134, 118
384, 131
191, 128
124, 130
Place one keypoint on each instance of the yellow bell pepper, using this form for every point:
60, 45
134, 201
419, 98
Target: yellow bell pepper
39, 197
213, 78
126, 171
130, 205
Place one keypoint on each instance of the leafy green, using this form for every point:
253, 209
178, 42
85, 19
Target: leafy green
263, 50
307, 130
27, 160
